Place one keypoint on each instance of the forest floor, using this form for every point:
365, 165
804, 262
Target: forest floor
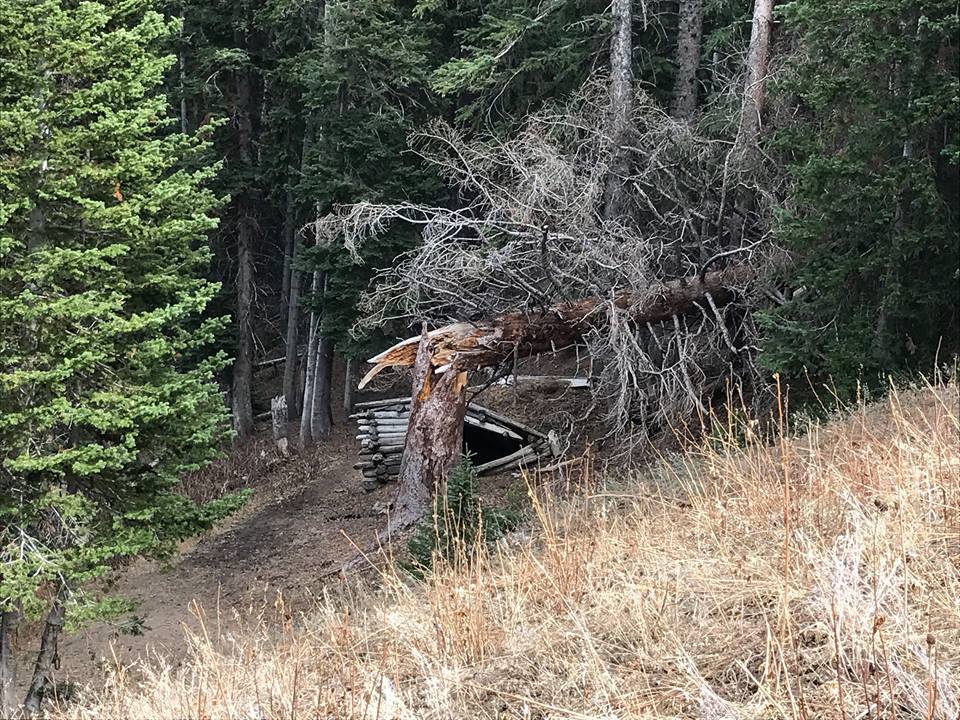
306, 517
736, 595
303, 518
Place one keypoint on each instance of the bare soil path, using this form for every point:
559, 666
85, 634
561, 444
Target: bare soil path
306, 516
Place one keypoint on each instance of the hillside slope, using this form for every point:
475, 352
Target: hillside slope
709, 588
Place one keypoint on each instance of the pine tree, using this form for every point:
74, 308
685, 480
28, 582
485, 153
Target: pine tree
873, 217
106, 379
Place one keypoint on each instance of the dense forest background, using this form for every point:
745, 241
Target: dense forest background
190, 188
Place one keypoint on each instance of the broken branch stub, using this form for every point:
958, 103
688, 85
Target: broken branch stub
470, 346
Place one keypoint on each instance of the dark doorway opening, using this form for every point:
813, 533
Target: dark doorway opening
484, 446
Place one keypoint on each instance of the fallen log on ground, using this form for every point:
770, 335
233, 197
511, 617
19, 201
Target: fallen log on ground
468, 346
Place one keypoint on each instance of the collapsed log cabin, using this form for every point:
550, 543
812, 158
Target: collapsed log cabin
494, 442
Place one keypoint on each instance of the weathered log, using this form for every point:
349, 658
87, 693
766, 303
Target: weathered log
492, 427
466, 346
381, 403
384, 423
371, 457
525, 453
369, 484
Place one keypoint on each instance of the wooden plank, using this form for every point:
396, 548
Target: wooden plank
492, 427
382, 403
514, 458
375, 413
573, 382
476, 411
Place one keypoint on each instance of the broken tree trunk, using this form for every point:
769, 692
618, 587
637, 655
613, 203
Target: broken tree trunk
468, 346
434, 442
47, 658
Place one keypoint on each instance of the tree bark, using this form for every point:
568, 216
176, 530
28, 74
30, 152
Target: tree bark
289, 250
621, 106
9, 619
434, 441
754, 91
474, 345
243, 365
306, 407
279, 421
47, 658
746, 148
689, 38
322, 415
349, 385
292, 338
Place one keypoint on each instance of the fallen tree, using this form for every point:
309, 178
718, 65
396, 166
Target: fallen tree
531, 262
470, 346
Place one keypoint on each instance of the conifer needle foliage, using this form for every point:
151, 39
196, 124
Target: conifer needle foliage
106, 380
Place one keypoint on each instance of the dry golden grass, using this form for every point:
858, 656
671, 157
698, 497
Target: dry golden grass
811, 578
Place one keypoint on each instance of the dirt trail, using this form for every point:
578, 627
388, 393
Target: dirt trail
298, 525
307, 516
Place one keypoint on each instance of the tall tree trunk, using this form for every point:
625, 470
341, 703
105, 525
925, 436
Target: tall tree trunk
293, 332
9, 619
434, 441
689, 37
289, 233
349, 385
309, 382
322, 414
243, 365
47, 658
621, 106
294, 278
745, 152
754, 91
